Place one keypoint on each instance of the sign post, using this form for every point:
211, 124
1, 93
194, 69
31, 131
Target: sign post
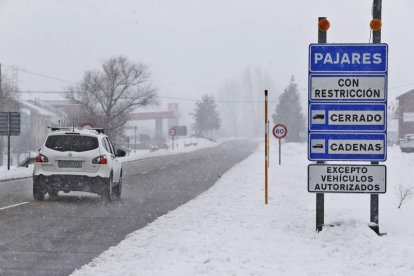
376, 15
280, 131
9, 126
323, 27
172, 133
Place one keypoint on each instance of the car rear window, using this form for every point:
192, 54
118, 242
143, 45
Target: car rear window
76, 143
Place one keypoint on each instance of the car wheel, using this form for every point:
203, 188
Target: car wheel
108, 191
118, 188
53, 195
38, 191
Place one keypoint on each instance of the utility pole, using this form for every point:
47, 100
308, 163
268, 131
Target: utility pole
376, 38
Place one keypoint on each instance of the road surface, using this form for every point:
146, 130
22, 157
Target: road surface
55, 237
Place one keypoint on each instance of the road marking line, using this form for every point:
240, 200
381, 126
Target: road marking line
11, 206
163, 168
144, 172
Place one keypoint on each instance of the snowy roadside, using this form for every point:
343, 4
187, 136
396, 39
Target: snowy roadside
23, 172
15, 173
229, 231
201, 144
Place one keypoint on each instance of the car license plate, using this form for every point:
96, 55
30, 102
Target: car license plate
69, 164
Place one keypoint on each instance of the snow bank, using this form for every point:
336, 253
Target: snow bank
179, 148
229, 231
15, 172
22, 172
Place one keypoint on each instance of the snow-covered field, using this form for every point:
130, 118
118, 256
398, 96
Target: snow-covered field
22, 172
229, 231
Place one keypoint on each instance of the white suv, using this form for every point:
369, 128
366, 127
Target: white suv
407, 143
74, 159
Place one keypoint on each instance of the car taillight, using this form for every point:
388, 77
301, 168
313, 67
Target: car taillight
40, 158
100, 160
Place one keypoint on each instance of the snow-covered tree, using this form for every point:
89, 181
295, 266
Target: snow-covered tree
289, 112
206, 116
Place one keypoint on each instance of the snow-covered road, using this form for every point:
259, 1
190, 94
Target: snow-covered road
229, 231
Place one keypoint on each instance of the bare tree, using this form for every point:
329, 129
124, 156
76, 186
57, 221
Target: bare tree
8, 102
404, 193
8, 96
244, 116
108, 95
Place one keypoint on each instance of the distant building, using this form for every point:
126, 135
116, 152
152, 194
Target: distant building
71, 110
36, 116
405, 113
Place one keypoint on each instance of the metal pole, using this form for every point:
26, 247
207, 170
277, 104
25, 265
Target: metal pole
280, 151
8, 141
376, 13
135, 147
320, 197
374, 204
1, 141
266, 150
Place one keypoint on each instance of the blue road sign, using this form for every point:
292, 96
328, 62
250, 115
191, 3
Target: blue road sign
351, 58
347, 146
348, 117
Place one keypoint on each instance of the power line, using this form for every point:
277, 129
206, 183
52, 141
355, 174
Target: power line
161, 97
38, 74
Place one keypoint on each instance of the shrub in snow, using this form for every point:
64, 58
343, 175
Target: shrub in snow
404, 192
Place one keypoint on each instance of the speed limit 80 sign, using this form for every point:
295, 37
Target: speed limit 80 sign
280, 131
172, 132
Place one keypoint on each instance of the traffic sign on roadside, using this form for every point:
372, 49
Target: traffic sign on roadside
180, 130
172, 132
324, 178
9, 120
367, 117
347, 146
280, 131
347, 102
348, 58
348, 88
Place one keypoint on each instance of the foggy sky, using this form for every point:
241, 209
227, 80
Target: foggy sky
192, 46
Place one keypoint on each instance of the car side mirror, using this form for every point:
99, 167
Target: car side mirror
120, 153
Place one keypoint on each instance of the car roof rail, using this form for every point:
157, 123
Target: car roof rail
59, 128
97, 129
